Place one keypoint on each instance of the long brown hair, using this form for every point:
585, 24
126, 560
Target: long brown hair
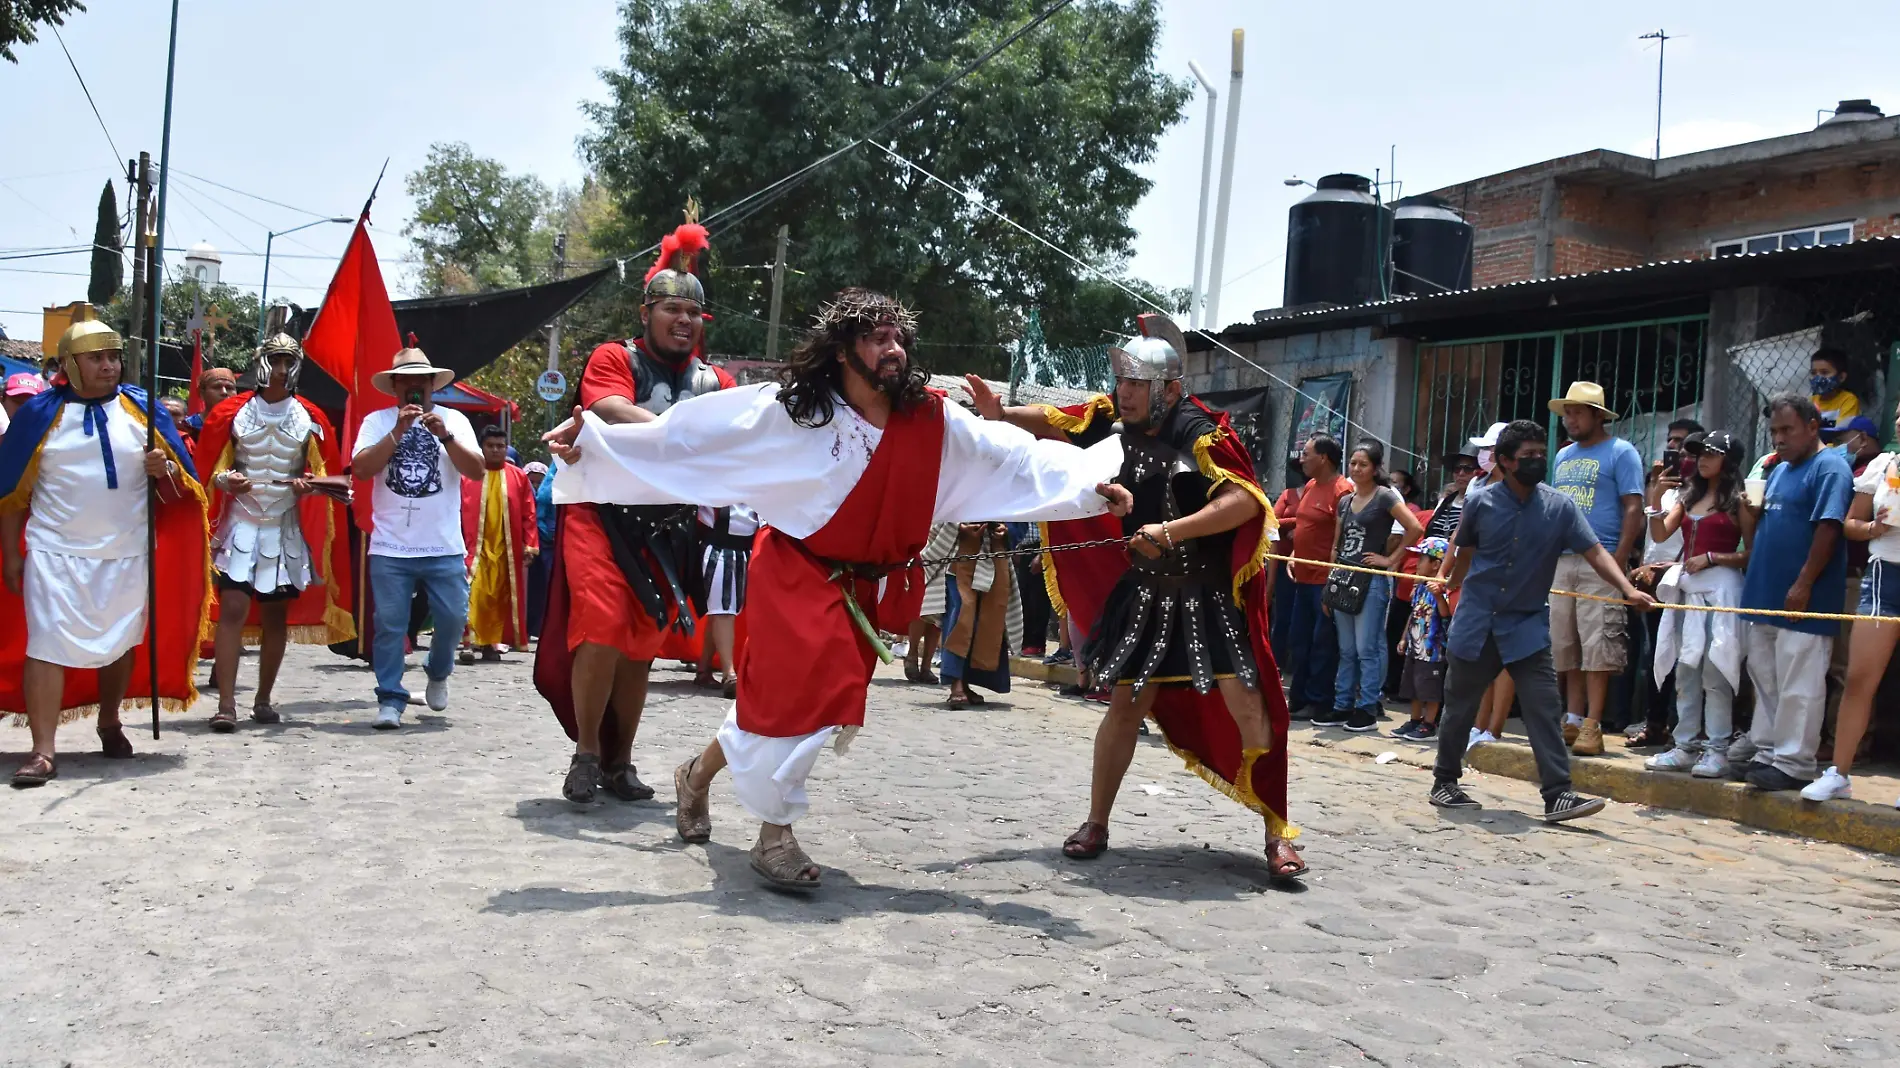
813, 374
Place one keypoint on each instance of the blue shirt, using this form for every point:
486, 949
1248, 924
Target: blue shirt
544, 505
1514, 549
1799, 496
1598, 477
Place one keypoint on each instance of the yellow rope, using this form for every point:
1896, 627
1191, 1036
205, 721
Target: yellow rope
1780, 613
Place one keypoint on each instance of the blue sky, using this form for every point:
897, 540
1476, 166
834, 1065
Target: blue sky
302, 103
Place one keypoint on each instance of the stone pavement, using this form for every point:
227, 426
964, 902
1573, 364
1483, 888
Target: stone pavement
318, 894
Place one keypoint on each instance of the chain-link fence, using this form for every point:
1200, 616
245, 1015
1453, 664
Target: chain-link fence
1036, 364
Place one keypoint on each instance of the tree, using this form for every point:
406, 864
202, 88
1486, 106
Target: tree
108, 263
715, 99
232, 346
19, 19
476, 226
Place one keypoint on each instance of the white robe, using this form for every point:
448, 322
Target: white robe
740, 446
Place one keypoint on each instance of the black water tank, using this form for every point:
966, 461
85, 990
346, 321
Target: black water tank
1431, 248
1333, 241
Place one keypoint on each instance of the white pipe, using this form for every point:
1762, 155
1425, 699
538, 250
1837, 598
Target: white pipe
1212, 320
1207, 177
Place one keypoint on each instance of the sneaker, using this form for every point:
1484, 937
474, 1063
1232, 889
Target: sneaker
438, 694
1408, 730
1589, 741
1738, 769
1570, 806
1828, 787
1479, 738
1741, 749
1361, 720
1033, 652
1449, 795
1677, 759
1305, 713
1425, 732
1770, 778
1060, 656
388, 718
1331, 717
1713, 765
1572, 727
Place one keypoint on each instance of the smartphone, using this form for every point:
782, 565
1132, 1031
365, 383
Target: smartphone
414, 397
1672, 460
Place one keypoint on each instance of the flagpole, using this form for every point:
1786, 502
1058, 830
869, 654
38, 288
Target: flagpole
151, 376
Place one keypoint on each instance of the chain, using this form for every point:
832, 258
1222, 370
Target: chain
1031, 550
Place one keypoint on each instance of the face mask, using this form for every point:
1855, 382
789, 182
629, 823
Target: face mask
1531, 470
1484, 460
1842, 451
1822, 385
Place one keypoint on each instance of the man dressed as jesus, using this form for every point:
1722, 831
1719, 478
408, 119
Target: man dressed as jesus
847, 460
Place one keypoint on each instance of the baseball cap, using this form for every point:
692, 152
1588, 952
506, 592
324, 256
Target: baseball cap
1859, 422
1719, 441
1489, 440
535, 466
25, 385
1436, 548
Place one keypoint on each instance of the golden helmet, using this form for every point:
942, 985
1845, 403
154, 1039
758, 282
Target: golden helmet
88, 336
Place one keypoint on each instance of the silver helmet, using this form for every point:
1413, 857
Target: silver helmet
277, 345
1155, 356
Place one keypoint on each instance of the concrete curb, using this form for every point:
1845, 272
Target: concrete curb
1059, 674
1851, 823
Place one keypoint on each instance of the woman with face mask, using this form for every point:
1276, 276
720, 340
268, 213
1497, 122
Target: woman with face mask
1703, 648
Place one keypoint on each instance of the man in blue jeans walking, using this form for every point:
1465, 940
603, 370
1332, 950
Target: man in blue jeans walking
416, 456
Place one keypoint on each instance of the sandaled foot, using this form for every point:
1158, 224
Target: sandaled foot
1283, 861
38, 770
114, 744
491, 656
623, 781
583, 778
465, 656
705, 680
910, 670
730, 690
1087, 843
958, 700
783, 865
690, 813
224, 721
264, 713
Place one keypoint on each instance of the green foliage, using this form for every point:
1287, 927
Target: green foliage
19, 20
715, 99
513, 375
108, 264
476, 226
231, 345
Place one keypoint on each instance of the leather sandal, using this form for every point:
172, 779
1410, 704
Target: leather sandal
1283, 861
38, 770
114, 744
783, 865
623, 781
583, 778
266, 714
1087, 843
224, 721
690, 815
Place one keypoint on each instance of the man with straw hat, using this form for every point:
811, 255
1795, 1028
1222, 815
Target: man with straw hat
416, 456
1603, 475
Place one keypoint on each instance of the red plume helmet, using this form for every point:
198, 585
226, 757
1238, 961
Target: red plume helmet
672, 273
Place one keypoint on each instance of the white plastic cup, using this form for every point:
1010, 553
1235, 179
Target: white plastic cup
1757, 489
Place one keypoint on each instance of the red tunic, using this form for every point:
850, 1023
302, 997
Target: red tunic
807, 665
523, 534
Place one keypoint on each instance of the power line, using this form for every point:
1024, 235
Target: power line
253, 196
117, 156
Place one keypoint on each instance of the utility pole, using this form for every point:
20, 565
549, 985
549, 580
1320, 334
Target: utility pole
778, 293
554, 329
1207, 174
139, 174
1212, 320
1662, 44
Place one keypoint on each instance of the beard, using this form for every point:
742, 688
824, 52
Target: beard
890, 384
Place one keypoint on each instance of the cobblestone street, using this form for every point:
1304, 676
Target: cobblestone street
318, 893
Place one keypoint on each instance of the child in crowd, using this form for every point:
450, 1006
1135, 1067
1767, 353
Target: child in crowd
1423, 647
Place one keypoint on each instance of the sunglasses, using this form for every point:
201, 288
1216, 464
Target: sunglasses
1465, 469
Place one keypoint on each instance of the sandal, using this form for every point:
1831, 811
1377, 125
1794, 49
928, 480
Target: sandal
224, 721
925, 676
583, 778
1641, 738
265, 714
38, 770
623, 781
705, 680
730, 691
114, 744
1283, 861
958, 701
1087, 843
910, 670
690, 814
783, 864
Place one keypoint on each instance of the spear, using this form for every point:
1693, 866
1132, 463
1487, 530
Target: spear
151, 378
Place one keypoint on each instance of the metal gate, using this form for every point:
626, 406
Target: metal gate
1650, 371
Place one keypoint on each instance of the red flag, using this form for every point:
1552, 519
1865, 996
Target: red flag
196, 402
355, 335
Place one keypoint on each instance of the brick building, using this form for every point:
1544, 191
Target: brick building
1599, 210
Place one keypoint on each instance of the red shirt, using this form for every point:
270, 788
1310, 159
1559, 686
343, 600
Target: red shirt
1315, 525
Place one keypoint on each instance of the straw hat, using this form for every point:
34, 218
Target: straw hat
1588, 394
411, 361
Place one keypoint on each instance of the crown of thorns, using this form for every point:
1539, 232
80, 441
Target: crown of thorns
864, 312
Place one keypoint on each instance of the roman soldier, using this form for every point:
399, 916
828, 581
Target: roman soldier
281, 547
1178, 622
619, 582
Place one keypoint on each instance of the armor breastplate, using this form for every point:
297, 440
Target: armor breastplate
662, 386
1167, 485
266, 450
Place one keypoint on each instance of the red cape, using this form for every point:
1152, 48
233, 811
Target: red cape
321, 613
1197, 727
522, 534
183, 568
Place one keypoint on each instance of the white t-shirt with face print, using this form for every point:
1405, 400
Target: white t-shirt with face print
416, 501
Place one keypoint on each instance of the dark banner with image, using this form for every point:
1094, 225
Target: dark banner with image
1247, 410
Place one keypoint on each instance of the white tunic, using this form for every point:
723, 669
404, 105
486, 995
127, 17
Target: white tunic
741, 446
84, 585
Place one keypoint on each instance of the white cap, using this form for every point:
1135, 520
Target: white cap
1490, 438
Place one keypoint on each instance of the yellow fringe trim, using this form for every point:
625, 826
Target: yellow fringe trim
1049, 582
1269, 523
1072, 424
207, 629
338, 624
79, 712
22, 494
507, 551
1240, 790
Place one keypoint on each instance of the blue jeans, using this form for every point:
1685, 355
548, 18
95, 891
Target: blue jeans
394, 580
1361, 671
1312, 648
1280, 631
